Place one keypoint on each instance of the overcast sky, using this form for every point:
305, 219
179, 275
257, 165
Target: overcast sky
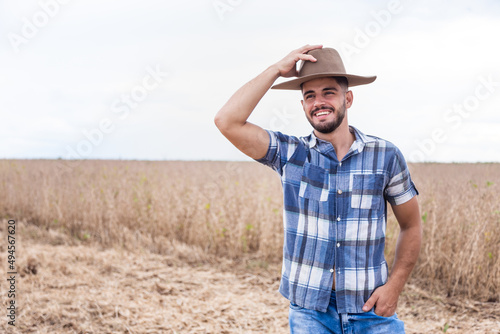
143, 79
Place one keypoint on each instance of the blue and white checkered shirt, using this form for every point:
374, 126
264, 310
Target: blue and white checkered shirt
335, 216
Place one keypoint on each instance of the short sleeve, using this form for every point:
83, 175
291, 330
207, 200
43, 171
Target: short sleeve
400, 188
281, 147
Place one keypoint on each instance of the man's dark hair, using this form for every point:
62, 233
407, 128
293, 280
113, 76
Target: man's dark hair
342, 81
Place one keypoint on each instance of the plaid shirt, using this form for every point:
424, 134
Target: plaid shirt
335, 216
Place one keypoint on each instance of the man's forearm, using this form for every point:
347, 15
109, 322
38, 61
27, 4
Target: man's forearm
239, 107
386, 296
407, 250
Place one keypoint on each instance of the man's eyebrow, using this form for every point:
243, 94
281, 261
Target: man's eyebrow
324, 89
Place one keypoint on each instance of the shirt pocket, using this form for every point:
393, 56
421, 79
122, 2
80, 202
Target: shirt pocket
294, 306
367, 191
315, 183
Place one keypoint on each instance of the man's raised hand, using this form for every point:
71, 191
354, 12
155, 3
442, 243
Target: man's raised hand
287, 66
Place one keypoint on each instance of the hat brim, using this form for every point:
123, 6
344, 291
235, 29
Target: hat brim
353, 80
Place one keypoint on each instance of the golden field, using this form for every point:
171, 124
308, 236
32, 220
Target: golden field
195, 247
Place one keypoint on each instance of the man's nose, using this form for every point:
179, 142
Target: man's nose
319, 102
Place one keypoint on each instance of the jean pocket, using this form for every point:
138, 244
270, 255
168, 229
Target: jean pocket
367, 191
315, 183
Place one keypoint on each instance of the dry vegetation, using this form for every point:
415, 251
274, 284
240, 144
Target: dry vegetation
125, 246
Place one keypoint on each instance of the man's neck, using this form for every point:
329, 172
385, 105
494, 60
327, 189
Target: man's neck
341, 139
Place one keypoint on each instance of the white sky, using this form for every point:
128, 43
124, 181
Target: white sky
66, 68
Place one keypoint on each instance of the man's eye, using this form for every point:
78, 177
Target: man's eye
327, 93
308, 97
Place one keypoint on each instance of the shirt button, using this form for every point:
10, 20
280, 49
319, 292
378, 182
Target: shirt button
339, 192
338, 219
338, 244
340, 164
331, 270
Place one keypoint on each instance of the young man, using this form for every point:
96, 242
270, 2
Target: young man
336, 182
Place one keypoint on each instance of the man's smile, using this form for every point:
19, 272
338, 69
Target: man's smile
322, 113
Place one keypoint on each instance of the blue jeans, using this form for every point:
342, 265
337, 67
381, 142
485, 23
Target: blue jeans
304, 321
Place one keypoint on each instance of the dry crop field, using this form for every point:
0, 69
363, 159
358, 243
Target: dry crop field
195, 247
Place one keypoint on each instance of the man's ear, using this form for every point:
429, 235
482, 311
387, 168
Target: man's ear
348, 99
302, 102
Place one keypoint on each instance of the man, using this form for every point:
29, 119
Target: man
336, 182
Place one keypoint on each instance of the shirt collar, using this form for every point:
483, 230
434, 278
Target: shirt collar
359, 143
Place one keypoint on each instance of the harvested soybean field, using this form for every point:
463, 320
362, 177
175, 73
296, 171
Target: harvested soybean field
195, 247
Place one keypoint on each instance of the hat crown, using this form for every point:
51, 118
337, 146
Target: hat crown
328, 61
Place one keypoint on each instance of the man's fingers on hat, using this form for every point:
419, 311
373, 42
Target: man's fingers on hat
305, 57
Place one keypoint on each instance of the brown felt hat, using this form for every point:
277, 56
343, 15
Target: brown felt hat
328, 64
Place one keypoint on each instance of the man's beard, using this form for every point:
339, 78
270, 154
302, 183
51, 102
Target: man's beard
328, 127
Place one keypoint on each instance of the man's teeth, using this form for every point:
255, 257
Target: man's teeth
322, 113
